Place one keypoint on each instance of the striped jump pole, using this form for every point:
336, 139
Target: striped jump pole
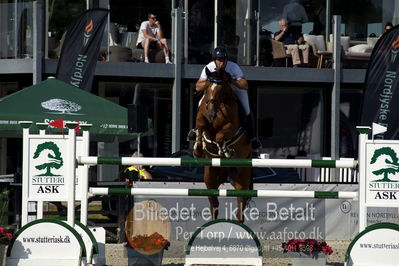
217, 162
223, 193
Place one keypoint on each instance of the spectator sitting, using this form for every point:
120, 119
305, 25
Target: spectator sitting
135, 172
293, 43
388, 26
151, 36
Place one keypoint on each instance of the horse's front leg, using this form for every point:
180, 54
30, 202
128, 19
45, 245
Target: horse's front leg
223, 134
198, 145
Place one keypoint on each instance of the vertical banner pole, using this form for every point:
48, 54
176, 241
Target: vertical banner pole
39, 209
84, 178
71, 178
363, 136
25, 172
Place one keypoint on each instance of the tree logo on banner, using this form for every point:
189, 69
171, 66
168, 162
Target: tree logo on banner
61, 106
388, 158
52, 160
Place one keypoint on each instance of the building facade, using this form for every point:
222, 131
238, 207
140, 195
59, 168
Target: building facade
292, 107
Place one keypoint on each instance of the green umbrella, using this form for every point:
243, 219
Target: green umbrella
53, 100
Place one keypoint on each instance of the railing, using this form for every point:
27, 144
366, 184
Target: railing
323, 175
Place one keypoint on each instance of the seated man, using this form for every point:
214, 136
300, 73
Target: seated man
293, 42
239, 85
151, 36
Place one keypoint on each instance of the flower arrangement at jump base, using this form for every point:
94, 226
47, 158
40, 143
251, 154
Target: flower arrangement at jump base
149, 243
5, 237
307, 246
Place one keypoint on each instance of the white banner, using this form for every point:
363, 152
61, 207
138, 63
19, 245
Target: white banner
382, 174
49, 168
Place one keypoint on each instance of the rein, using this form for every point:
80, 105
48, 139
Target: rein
217, 81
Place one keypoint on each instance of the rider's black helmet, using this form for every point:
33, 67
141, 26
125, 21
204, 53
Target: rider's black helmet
220, 53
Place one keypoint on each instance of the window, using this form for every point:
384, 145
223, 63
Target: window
60, 15
289, 121
16, 29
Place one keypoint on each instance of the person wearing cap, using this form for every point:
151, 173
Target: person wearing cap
135, 172
238, 83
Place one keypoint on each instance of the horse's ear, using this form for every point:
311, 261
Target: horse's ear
207, 71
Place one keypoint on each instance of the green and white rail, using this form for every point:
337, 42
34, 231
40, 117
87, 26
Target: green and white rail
217, 162
223, 193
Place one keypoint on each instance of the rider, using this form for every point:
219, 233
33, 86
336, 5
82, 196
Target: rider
239, 85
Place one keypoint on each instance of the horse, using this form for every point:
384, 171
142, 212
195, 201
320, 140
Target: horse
219, 135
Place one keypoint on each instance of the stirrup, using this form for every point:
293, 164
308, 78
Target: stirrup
191, 135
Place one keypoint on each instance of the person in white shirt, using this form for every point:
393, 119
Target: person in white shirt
151, 36
239, 85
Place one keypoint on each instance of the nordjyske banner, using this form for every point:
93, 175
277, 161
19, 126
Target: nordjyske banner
380, 95
79, 54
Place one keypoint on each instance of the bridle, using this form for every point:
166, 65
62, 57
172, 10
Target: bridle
221, 98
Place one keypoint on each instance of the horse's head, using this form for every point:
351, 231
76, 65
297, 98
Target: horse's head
218, 86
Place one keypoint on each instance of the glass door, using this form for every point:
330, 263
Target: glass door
16, 29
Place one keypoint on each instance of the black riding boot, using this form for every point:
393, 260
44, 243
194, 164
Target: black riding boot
191, 135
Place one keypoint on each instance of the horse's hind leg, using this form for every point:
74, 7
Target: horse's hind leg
214, 202
211, 181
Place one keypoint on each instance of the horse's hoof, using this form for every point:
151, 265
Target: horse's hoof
241, 221
197, 151
229, 154
197, 154
197, 146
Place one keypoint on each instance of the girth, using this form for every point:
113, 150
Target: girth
213, 148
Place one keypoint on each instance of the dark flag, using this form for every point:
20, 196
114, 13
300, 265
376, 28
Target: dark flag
381, 93
81, 47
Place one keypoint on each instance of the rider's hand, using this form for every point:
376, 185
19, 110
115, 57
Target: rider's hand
223, 71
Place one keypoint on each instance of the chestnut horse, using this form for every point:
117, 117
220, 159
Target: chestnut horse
219, 135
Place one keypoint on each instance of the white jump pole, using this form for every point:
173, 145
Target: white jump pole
217, 162
223, 193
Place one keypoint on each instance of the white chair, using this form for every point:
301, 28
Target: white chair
345, 42
356, 53
318, 45
317, 40
372, 41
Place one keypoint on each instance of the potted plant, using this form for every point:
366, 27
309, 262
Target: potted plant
5, 239
310, 251
146, 249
